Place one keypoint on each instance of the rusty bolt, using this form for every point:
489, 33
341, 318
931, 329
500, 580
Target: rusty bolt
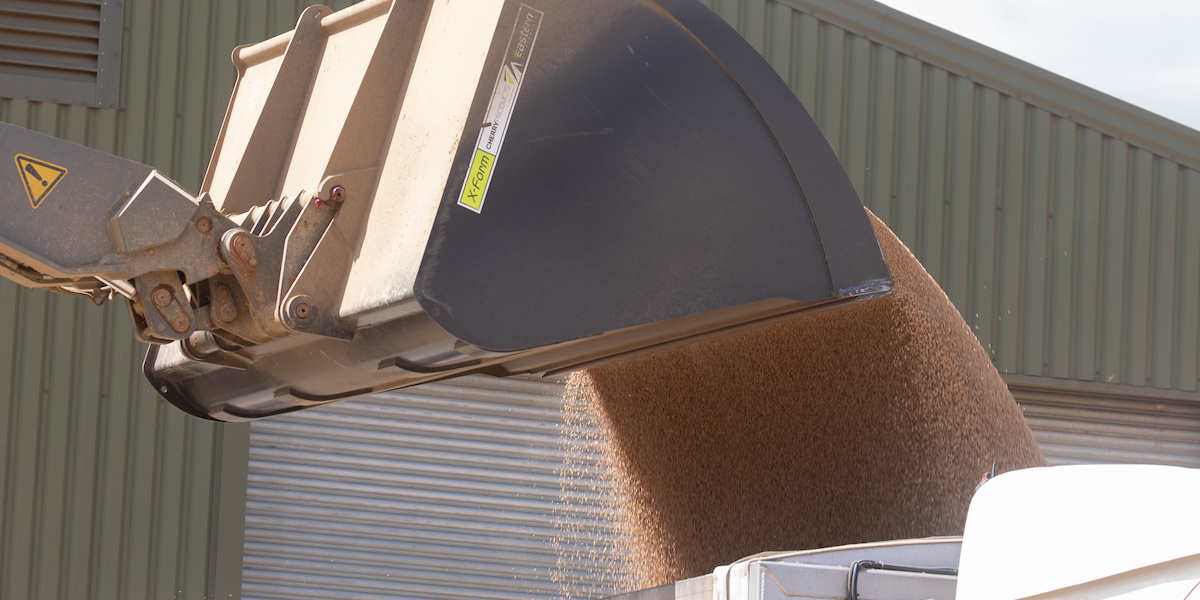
180, 323
244, 248
161, 296
226, 311
204, 225
303, 311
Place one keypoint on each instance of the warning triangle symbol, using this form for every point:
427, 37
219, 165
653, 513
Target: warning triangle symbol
39, 177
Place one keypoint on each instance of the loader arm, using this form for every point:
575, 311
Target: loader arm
408, 191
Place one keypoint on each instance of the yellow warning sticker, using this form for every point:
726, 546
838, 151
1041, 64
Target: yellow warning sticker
39, 177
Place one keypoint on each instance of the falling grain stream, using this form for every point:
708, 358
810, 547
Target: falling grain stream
870, 422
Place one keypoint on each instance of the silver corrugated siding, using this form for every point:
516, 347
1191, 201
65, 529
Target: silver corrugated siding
106, 492
1059, 220
449, 490
1089, 423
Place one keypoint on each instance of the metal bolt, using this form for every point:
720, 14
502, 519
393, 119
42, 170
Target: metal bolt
204, 225
303, 311
244, 248
336, 196
180, 323
226, 312
161, 296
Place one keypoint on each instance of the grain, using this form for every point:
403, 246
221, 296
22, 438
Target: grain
870, 422
592, 554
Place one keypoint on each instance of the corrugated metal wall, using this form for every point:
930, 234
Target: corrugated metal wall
1094, 423
448, 490
1059, 221
106, 492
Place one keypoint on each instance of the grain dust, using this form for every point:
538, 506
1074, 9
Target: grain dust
870, 422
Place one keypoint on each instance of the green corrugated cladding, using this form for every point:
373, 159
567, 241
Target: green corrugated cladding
1061, 222
106, 491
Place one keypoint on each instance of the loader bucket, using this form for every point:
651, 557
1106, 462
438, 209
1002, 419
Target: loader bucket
525, 187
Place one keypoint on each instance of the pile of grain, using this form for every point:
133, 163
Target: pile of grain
870, 422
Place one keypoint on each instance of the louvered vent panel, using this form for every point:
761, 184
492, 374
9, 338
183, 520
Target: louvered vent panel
63, 51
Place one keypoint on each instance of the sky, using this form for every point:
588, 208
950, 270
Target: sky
1145, 52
